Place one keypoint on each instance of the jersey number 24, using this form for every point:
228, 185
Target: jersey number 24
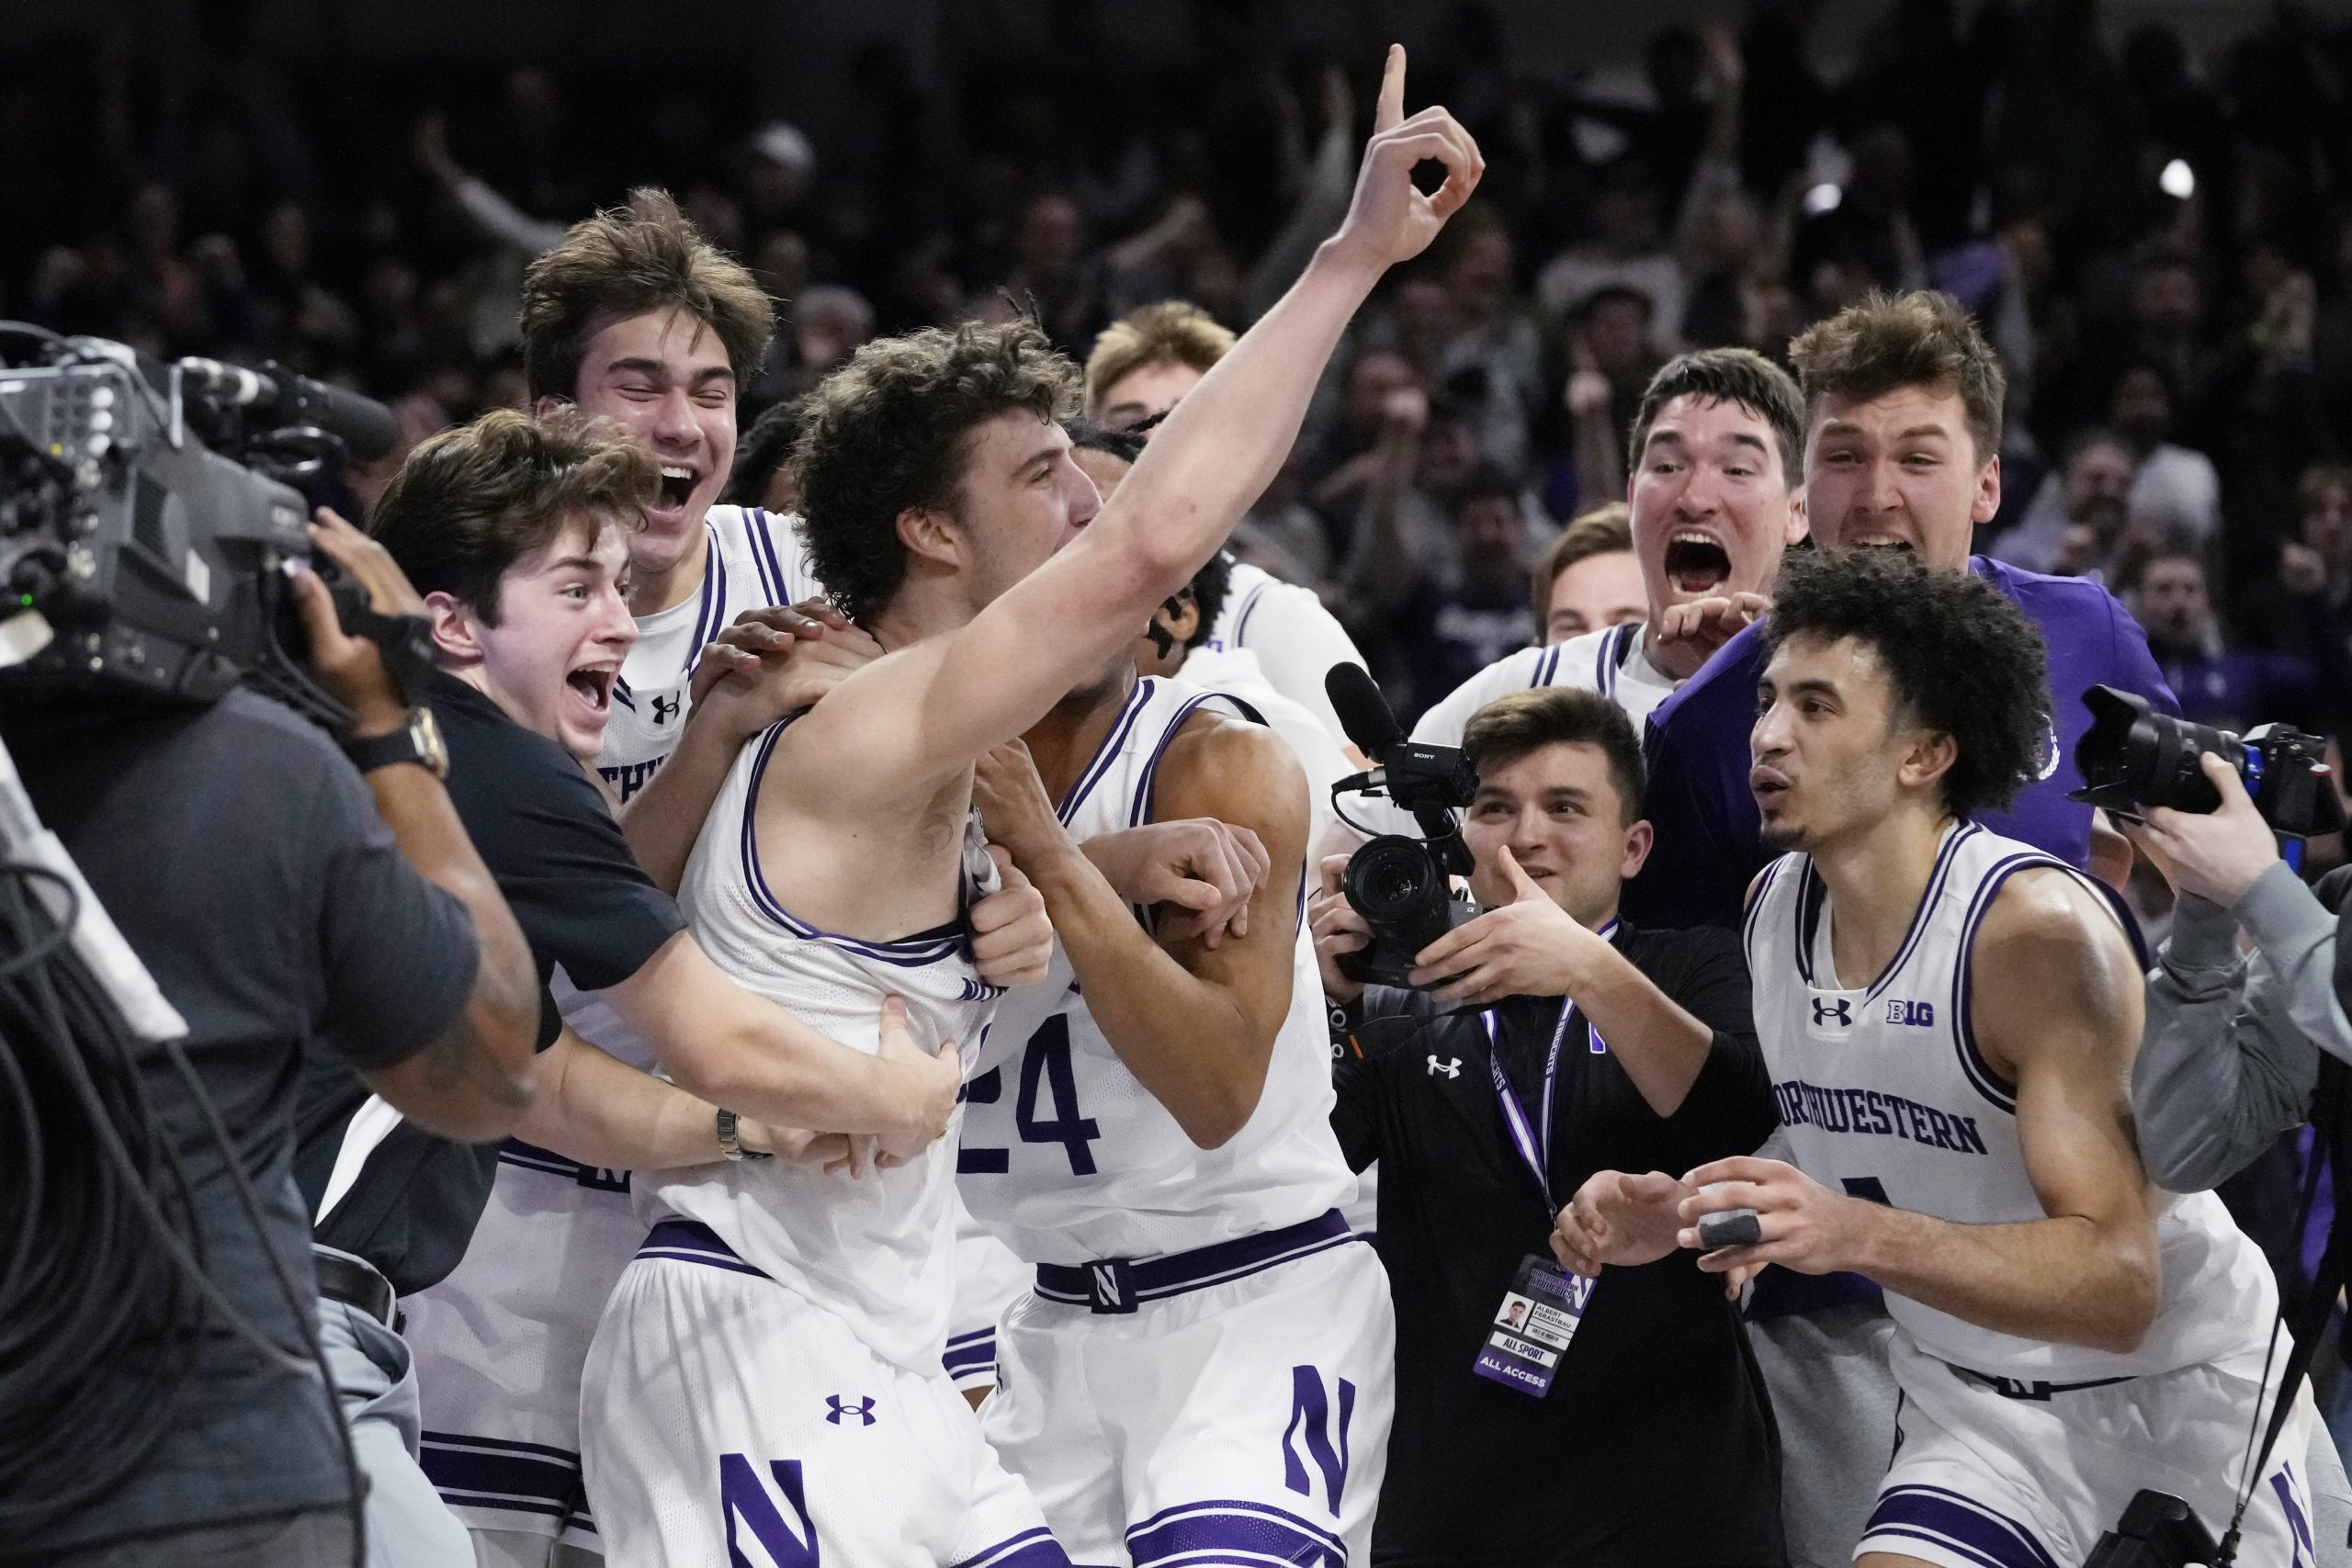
1045, 1075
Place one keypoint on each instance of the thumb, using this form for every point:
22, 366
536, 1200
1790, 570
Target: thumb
316, 606
1522, 885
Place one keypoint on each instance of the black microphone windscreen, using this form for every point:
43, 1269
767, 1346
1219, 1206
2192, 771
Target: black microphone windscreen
1363, 712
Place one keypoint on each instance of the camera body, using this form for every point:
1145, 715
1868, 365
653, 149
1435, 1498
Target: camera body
2133, 757
150, 515
1401, 885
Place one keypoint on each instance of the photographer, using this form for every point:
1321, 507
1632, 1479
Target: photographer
281, 904
1548, 1040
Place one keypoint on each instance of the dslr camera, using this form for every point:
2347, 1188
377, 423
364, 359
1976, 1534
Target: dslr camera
1401, 883
150, 518
2133, 756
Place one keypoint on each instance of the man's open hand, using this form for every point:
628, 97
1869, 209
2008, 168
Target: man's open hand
776, 661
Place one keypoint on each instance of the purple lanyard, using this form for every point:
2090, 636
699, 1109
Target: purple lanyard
1536, 1152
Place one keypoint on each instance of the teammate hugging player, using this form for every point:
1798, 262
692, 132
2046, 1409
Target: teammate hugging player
1949, 1018
768, 1370
1205, 1366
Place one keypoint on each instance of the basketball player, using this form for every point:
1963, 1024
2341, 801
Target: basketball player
1949, 1018
1716, 458
767, 1371
1141, 367
635, 318
1203, 1344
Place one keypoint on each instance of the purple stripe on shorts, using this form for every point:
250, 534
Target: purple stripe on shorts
1254, 1537
1030, 1549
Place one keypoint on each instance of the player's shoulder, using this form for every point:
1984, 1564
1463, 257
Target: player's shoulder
2045, 916
1725, 684
2063, 601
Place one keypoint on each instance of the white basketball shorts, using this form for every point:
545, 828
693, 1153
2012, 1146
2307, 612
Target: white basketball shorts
1990, 1473
989, 1277
1232, 1422
725, 1420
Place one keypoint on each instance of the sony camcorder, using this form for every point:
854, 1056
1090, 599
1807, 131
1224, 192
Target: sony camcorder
1399, 884
2133, 756
150, 515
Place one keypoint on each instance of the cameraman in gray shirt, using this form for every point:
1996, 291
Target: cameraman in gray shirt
2230, 1056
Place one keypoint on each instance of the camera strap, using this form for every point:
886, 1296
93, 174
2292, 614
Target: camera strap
2309, 1319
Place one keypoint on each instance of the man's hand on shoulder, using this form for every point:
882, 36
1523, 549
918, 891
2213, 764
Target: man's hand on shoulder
1691, 634
774, 661
1198, 864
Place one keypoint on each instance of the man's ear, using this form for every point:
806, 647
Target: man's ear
548, 407
1638, 839
1182, 615
1931, 755
1987, 499
456, 630
931, 534
1799, 520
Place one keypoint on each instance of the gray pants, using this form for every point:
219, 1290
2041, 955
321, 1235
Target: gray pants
316, 1537
408, 1526
1834, 1396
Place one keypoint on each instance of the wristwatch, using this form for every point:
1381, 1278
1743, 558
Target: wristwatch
418, 741
732, 1146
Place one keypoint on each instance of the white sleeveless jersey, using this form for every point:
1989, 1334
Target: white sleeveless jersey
878, 1252
755, 561
1066, 1155
1884, 1095
1295, 639
1609, 661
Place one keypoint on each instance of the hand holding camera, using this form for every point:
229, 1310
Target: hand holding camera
2216, 855
351, 664
1529, 947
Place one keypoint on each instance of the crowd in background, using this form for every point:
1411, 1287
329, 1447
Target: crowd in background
2159, 243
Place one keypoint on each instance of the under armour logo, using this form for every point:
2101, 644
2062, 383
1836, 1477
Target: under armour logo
862, 1412
1841, 1011
665, 709
1452, 1067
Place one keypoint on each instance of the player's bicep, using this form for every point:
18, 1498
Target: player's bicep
2057, 1006
1245, 776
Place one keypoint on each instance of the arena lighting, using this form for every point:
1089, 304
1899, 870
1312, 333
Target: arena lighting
1821, 198
2179, 180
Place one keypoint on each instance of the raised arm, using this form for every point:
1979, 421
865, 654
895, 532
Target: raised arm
955, 697
1195, 1023
2057, 1004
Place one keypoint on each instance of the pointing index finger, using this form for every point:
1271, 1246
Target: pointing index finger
1390, 110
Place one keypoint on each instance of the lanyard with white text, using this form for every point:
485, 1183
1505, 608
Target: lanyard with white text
1537, 1154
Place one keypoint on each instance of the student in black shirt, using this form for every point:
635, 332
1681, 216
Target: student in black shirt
1616, 1048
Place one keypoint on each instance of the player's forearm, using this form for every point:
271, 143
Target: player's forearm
601, 1112
1186, 1041
1222, 445
663, 821
2068, 1280
1659, 1044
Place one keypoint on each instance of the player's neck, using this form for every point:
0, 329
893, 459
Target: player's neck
650, 592
1876, 879
1064, 741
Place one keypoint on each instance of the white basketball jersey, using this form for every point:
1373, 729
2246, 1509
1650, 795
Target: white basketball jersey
1066, 1155
878, 1252
754, 561
1295, 639
1609, 661
1884, 1095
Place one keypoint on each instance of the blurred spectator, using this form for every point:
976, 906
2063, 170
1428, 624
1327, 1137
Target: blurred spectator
764, 474
2174, 489
1452, 623
2080, 518
2231, 688
1626, 252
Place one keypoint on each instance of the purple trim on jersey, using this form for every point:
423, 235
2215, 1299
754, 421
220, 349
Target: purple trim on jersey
1771, 874
493, 1474
691, 1241
968, 1353
1175, 1273
763, 548
623, 695
914, 952
1546, 666
1234, 1529
1149, 786
1248, 608
1610, 662
1106, 753
1956, 1522
1988, 1083
714, 598
1033, 1548
771, 586
1815, 893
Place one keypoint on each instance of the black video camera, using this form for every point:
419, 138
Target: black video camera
2157, 1530
1400, 883
2133, 756
150, 515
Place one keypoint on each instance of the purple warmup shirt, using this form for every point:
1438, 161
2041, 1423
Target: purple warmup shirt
1707, 850
1706, 820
